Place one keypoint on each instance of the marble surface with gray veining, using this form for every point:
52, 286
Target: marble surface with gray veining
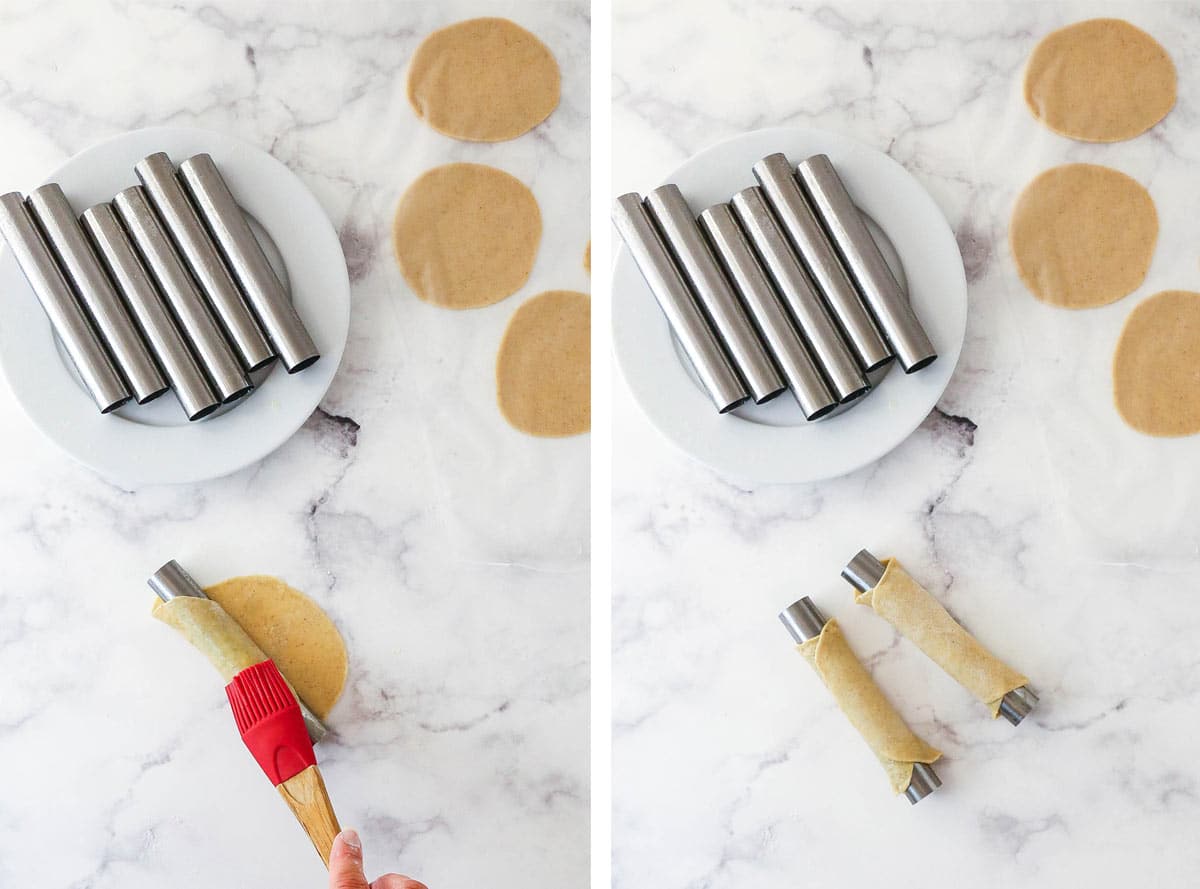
1065, 540
451, 550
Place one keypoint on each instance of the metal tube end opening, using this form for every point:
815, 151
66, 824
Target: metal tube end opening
153, 395
856, 394
295, 368
920, 364
238, 393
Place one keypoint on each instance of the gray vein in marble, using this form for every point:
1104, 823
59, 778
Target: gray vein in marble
1012, 834
360, 247
403, 833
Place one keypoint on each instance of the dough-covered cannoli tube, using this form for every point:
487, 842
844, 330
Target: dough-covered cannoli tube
911, 609
211, 631
903, 755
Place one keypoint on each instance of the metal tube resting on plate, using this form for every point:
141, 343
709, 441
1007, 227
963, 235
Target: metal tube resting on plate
187, 379
882, 292
687, 322
803, 229
264, 291
172, 582
799, 370
72, 325
695, 259
203, 260
53, 214
198, 325
833, 356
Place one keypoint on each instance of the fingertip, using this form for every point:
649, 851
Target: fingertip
346, 862
348, 843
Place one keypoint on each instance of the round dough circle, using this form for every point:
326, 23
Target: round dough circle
543, 371
1083, 235
483, 80
1156, 367
466, 235
293, 631
1102, 80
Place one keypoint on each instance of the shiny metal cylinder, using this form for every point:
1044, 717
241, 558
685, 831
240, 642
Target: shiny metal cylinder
803, 229
791, 355
171, 581
182, 370
263, 290
53, 214
803, 620
833, 356
882, 292
700, 268
923, 782
203, 260
1017, 704
864, 571
687, 322
199, 328
74, 329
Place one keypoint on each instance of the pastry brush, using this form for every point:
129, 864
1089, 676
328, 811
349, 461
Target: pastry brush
269, 719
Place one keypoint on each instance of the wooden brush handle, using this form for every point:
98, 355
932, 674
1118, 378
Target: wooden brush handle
308, 799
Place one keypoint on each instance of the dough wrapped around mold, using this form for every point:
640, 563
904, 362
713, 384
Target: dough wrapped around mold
887, 734
247, 620
211, 631
913, 611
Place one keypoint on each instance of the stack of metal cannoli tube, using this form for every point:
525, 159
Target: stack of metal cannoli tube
164, 287
782, 287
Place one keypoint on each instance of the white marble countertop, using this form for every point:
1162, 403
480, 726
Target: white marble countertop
1067, 541
450, 549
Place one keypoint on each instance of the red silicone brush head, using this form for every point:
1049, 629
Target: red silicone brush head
268, 716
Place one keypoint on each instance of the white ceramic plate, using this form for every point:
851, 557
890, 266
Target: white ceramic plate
154, 443
773, 442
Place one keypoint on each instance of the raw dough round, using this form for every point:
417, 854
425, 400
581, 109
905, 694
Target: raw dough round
1102, 80
466, 235
293, 631
1082, 235
543, 371
483, 80
1156, 368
